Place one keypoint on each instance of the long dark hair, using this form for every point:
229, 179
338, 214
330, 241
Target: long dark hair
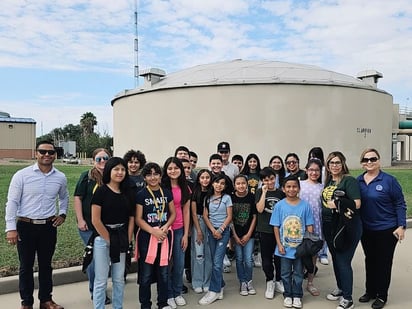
110, 164
317, 152
282, 171
181, 180
211, 190
318, 163
197, 189
246, 168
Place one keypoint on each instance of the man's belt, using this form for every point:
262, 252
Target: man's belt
35, 221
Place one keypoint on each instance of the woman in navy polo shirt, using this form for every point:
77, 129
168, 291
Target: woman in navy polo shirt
383, 214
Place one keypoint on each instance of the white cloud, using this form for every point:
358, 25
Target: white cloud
346, 36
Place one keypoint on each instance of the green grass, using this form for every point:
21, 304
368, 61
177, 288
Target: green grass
69, 245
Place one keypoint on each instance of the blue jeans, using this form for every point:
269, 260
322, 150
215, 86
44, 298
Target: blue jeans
292, 277
101, 271
217, 251
323, 253
85, 236
176, 265
342, 260
244, 260
146, 273
201, 266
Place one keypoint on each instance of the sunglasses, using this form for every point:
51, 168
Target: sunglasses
44, 151
372, 159
99, 159
291, 162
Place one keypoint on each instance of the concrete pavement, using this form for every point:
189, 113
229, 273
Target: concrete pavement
75, 295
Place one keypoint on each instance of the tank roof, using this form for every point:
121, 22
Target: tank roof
240, 71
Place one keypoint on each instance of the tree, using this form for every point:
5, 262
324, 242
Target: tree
87, 122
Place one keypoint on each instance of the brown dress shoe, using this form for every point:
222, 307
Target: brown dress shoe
50, 305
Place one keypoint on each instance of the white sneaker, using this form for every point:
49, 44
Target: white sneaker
180, 301
324, 261
257, 260
270, 289
227, 269
336, 294
198, 290
226, 261
220, 295
345, 304
279, 287
171, 302
243, 289
206, 289
297, 303
250, 288
287, 302
209, 298
167, 307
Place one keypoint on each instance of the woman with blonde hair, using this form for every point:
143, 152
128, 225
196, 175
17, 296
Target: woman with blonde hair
86, 186
383, 215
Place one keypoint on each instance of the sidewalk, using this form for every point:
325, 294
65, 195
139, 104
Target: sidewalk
76, 296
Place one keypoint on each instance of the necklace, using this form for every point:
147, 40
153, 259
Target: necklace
159, 211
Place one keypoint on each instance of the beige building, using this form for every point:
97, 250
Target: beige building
265, 107
17, 138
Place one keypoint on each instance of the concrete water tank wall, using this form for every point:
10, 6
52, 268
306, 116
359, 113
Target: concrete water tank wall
266, 119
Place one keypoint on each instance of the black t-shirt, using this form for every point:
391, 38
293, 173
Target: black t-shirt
150, 212
243, 210
263, 219
199, 198
115, 207
136, 182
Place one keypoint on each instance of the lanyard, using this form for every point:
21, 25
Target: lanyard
159, 212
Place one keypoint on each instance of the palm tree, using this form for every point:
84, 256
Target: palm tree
87, 122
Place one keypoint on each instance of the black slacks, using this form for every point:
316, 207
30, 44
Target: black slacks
379, 248
35, 239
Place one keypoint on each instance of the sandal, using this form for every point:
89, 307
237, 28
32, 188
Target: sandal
312, 289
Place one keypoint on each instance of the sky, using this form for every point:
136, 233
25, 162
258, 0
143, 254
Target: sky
60, 59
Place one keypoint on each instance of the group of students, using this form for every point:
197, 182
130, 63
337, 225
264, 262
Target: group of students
180, 219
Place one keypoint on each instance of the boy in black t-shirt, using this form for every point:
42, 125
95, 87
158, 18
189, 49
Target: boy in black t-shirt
266, 198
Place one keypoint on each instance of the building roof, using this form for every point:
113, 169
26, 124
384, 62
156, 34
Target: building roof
250, 72
17, 120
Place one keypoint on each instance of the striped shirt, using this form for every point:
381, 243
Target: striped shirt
34, 195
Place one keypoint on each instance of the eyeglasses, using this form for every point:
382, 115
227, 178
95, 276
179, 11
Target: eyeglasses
223, 152
313, 170
99, 159
44, 151
372, 159
337, 163
193, 161
291, 162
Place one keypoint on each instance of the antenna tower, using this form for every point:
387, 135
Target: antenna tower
136, 46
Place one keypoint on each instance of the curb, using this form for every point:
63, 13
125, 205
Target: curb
61, 276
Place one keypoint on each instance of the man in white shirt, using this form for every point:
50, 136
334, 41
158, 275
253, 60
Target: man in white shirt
230, 169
